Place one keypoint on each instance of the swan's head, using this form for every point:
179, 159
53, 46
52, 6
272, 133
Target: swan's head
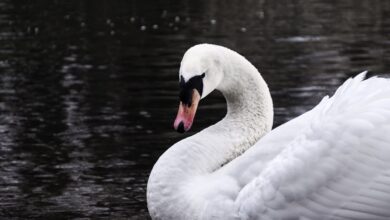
200, 73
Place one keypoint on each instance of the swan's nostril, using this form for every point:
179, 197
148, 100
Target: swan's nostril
180, 127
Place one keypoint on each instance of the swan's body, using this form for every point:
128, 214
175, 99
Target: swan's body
332, 162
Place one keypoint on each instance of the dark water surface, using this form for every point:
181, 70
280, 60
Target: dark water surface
88, 89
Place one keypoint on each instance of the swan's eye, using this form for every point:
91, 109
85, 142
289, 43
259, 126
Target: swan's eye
186, 88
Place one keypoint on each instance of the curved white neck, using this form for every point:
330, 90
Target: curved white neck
249, 117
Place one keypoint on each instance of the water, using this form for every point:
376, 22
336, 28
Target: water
89, 89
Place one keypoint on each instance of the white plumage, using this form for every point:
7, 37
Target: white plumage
332, 162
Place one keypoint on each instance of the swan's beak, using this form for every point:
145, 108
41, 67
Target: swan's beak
185, 115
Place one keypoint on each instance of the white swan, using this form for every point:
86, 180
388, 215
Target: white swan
332, 162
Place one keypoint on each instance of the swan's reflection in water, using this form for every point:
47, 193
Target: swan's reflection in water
89, 91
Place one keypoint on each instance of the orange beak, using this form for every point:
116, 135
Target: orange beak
186, 114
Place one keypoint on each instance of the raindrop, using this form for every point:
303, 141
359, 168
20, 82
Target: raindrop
36, 30
243, 29
4, 63
108, 21
132, 19
102, 67
82, 24
260, 14
213, 21
143, 113
112, 32
177, 19
164, 14
155, 26
143, 28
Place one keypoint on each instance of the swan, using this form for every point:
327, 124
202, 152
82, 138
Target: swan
332, 162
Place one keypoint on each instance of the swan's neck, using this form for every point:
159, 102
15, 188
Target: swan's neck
249, 117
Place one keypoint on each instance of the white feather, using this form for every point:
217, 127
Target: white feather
332, 162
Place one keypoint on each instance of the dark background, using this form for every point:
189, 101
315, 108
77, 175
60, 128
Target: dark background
89, 89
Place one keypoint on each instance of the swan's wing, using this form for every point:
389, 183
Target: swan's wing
337, 167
